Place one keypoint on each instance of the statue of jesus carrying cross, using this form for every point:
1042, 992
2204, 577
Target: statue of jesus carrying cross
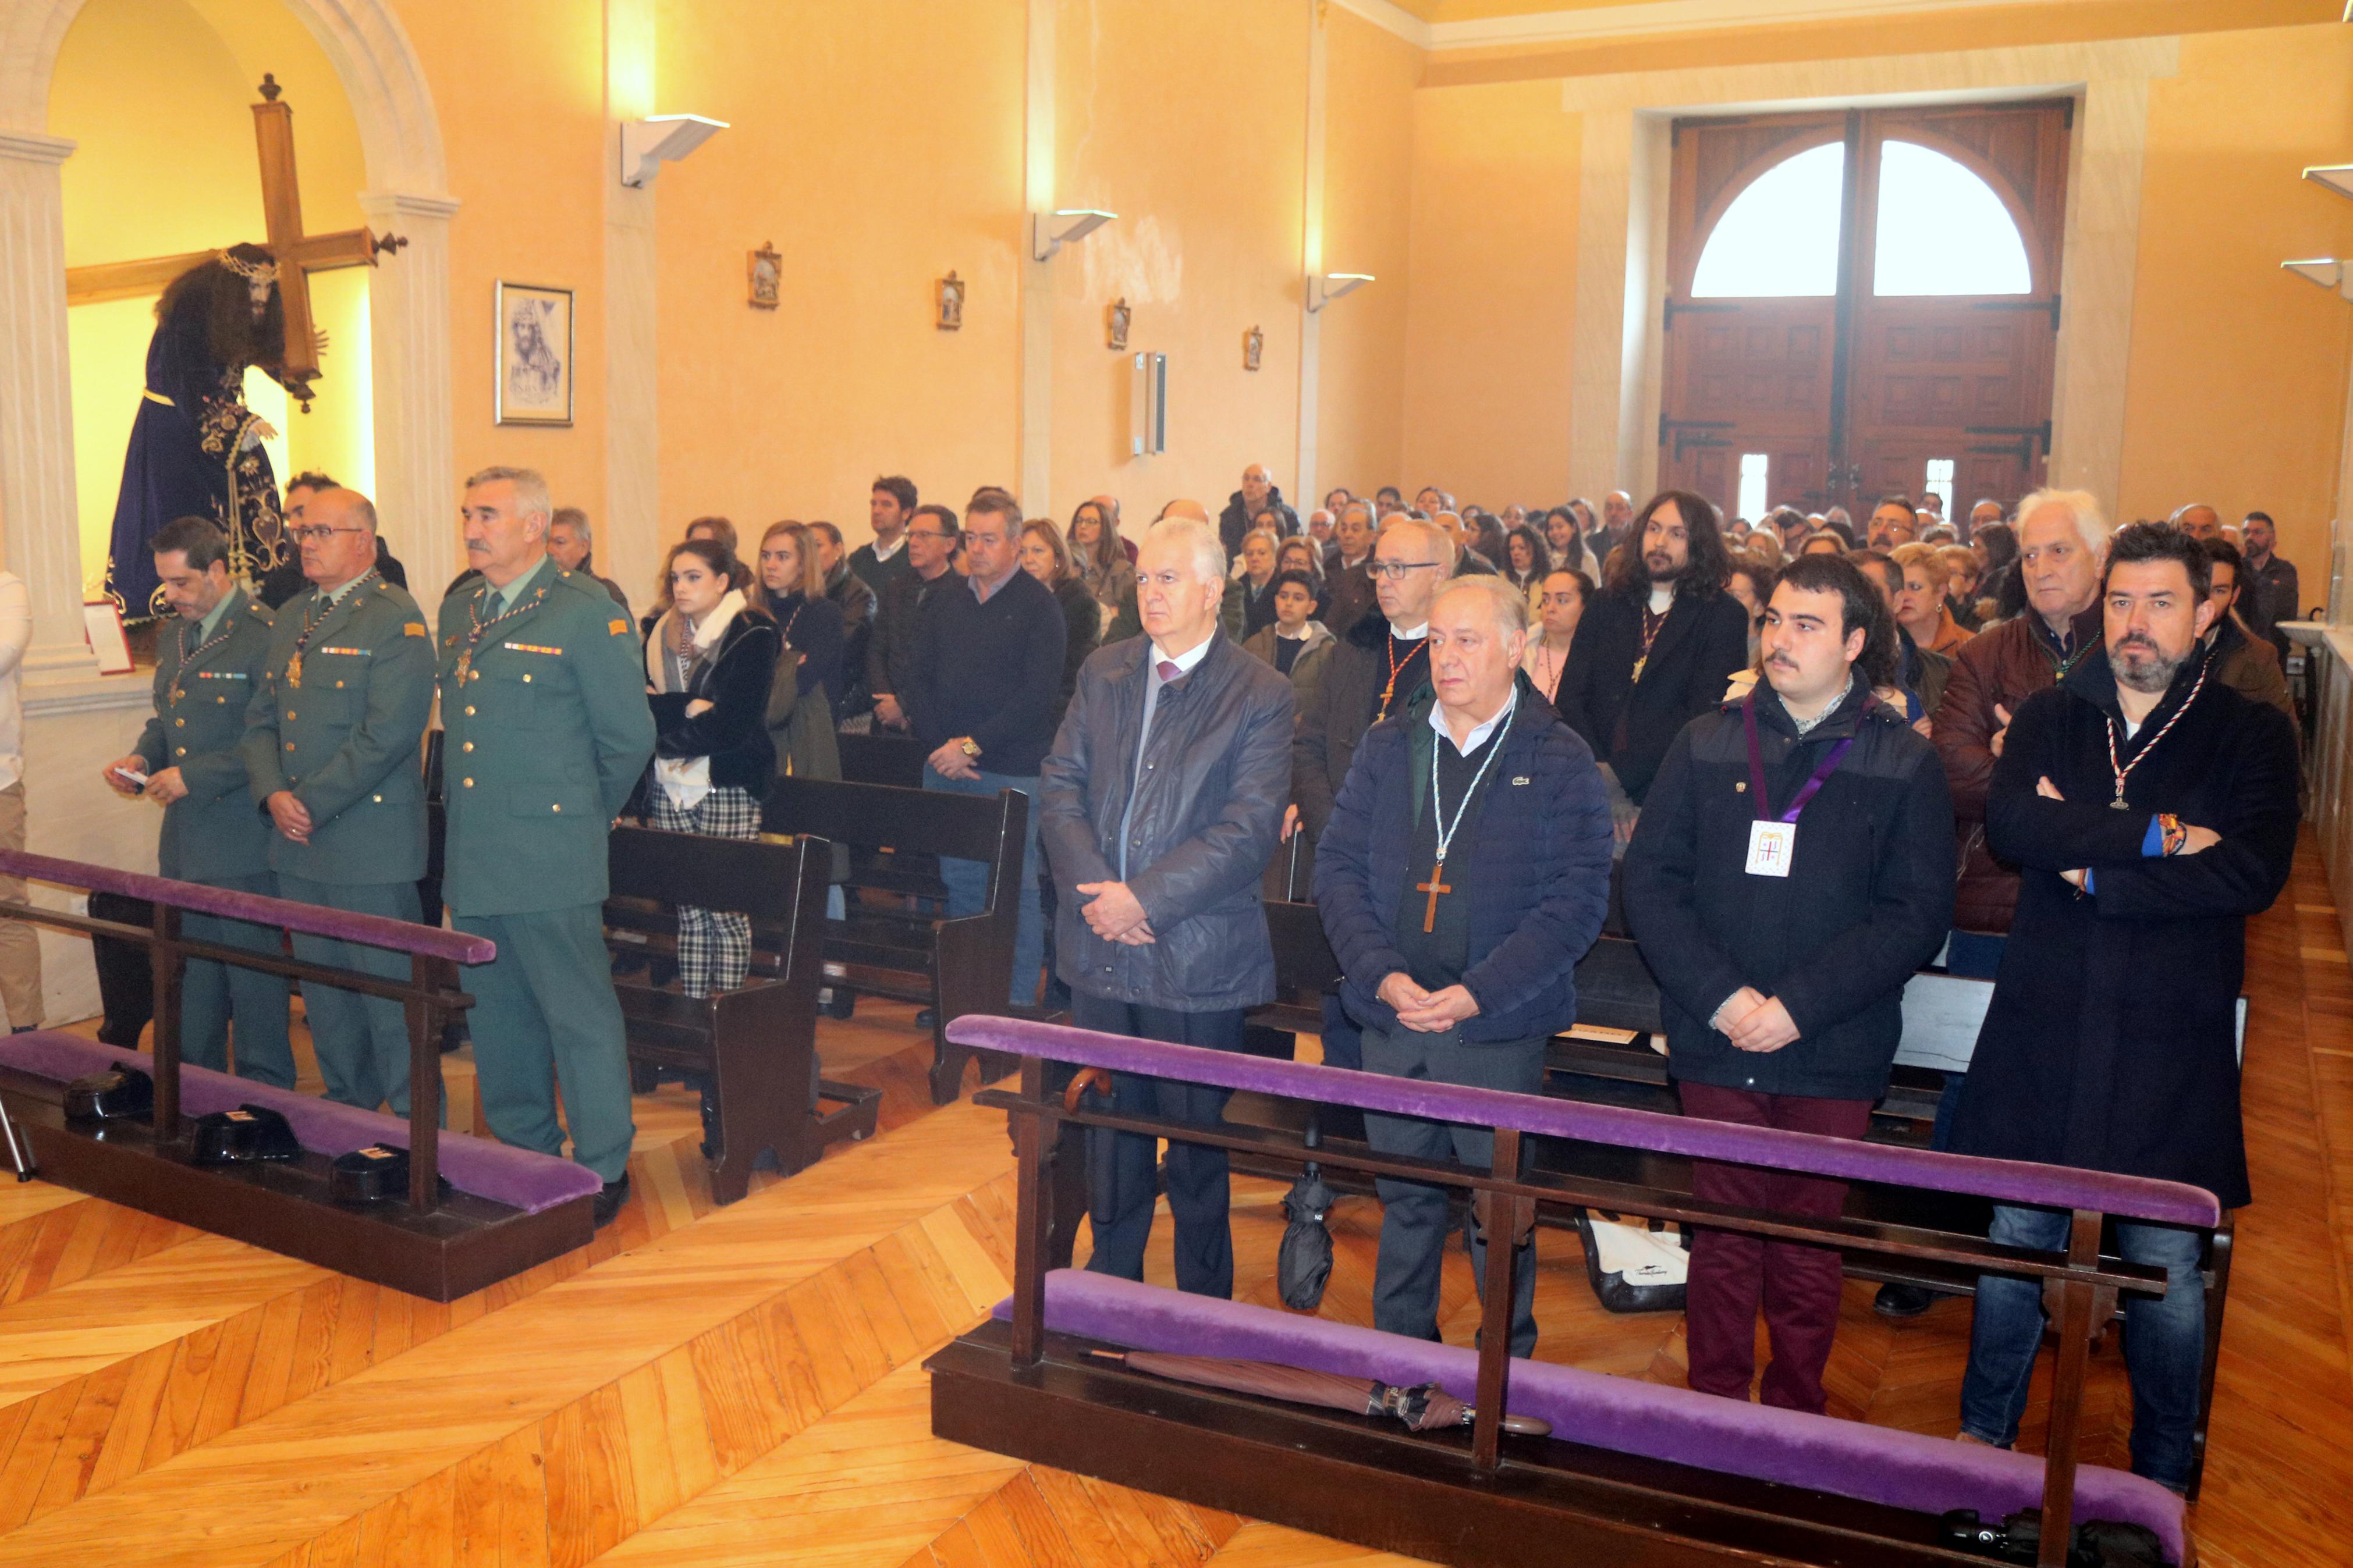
195, 449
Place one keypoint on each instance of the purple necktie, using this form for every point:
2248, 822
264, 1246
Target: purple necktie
1168, 669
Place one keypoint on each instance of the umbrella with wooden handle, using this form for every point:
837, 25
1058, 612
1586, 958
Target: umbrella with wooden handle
1422, 1407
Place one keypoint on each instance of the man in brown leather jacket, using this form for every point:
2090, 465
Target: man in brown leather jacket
2062, 537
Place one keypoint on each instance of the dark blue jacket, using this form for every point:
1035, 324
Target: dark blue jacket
1534, 866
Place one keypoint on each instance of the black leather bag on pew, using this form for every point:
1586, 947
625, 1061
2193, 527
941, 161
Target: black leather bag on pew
375, 1174
2094, 1543
1633, 1264
248, 1133
114, 1095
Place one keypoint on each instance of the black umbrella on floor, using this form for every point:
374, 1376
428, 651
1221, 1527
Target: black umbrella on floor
1304, 1264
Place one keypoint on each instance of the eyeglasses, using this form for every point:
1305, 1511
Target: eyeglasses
1395, 571
320, 533
928, 533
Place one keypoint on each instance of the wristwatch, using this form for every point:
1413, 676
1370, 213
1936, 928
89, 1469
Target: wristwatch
970, 748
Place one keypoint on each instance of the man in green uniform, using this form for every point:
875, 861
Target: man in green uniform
331, 748
207, 662
544, 699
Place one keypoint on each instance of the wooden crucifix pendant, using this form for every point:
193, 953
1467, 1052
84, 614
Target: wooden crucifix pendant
1434, 887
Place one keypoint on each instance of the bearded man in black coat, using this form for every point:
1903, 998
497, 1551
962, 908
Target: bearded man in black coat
2153, 809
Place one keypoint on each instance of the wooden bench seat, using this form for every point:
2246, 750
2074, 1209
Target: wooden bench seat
953, 967
756, 1043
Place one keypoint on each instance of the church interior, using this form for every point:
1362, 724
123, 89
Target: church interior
1104, 248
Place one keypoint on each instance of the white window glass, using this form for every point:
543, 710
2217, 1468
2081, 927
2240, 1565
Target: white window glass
1779, 237
1753, 467
1940, 482
1942, 230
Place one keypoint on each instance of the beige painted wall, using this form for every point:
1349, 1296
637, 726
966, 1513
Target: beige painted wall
1371, 81
1492, 308
519, 87
2237, 388
877, 146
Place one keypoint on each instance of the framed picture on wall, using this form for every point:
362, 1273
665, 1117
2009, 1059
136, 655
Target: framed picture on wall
534, 355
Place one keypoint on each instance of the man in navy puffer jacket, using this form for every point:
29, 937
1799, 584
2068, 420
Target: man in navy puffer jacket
1464, 872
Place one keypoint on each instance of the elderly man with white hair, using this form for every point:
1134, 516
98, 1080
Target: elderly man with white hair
1464, 872
1160, 806
2062, 537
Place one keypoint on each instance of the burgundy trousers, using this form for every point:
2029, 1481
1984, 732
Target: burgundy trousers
1733, 1275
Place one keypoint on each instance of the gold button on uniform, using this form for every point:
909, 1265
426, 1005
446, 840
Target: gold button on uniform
556, 807
470, 745
470, 783
526, 681
180, 752
290, 715
469, 713
290, 745
182, 724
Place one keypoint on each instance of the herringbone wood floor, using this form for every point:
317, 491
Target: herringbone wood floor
711, 1387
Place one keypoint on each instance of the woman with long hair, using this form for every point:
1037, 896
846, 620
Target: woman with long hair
710, 659
1527, 559
1560, 597
1045, 557
791, 588
2001, 590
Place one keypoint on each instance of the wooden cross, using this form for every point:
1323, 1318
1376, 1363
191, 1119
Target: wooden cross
1433, 887
298, 255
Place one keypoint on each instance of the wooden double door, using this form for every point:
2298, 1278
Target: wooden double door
1853, 395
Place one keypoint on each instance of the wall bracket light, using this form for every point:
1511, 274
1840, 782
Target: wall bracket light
646, 144
1321, 291
1048, 232
2337, 177
2326, 270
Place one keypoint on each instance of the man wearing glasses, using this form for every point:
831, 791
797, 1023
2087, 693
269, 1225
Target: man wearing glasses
930, 552
331, 747
1379, 667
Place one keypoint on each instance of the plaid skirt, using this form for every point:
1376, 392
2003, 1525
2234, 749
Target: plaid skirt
714, 948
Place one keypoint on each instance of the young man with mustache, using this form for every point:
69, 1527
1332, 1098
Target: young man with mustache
1792, 868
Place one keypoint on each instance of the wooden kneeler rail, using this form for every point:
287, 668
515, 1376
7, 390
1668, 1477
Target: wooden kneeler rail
436, 1245
1028, 1387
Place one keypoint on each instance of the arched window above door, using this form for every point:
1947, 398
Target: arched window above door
1942, 229
1779, 237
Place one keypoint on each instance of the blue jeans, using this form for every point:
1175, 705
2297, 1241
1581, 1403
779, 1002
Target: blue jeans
968, 880
2165, 1341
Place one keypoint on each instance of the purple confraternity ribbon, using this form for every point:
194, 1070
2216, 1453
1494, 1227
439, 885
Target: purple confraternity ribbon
1757, 764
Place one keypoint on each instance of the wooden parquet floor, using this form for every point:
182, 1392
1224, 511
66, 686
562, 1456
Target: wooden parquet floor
714, 1387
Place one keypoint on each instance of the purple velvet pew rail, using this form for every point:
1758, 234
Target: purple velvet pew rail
375, 930
2006, 1180
1848, 1458
518, 1178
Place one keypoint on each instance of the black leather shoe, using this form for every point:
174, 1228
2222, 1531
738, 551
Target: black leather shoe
609, 1201
1895, 1300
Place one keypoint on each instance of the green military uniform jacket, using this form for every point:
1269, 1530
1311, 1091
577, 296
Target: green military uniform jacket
548, 733
213, 831
345, 739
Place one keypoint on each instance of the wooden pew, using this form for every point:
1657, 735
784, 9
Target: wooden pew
1631, 1471
883, 949
756, 1043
